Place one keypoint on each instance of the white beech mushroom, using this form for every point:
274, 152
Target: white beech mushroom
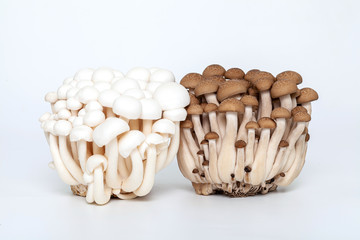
151, 110
81, 135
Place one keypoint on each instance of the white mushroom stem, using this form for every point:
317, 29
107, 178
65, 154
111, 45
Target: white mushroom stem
123, 170
290, 160
249, 149
113, 177
205, 122
307, 106
181, 160
257, 173
97, 149
174, 145
161, 159
213, 162
277, 164
242, 134
68, 160
109, 112
102, 193
146, 127
222, 123
125, 196
265, 106
274, 143
188, 162
214, 126
193, 147
211, 98
286, 102
134, 124
205, 169
199, 132
83, 153
227, 156
149, 175
59, 165
240, 164
136, 176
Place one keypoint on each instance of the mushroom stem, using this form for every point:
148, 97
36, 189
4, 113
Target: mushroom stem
221, 119
147, 125
205, 122
83, 153
277, 164
134, 124
265, 106
123, 169
102, 193
136, 176
149, 175
113, 178
213, 162
211, 98
182, 161
199, 132
174, 145
249, 150
214, 126
286, 102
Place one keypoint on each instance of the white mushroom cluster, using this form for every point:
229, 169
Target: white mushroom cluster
109, 133
245, 133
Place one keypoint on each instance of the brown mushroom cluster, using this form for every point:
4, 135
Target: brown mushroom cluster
245, 133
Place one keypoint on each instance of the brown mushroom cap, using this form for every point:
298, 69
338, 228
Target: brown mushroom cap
191, 80
296, 94
234, 73
187, 124
214, 70
252, 125
307, 137
266, 122
203, 106
307, 95
231, 105
283, 143
194, 109
253, 91
200, 152
262, 74
280, 112
264, 83
205, 87
204, 142
211, 135
297, 109
218, 79
206, 163
210, 107
193, 99
301, 117
249, 100
306, 130
290, 75
231, 88
240, 144
283, 87
250, 75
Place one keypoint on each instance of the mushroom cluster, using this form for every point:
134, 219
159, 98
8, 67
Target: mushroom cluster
245, 133
110, 133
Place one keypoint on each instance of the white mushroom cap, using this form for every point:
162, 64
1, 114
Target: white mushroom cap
107, 97
139, 73
87, 94
154, 138
152, 86
64, 114
108, 130
49, 126
142, 84
82, 112
71, 92
175, 115
135, 92
84, 74
78, 121
94, 118
124, 84
172, 95
73, 104
71, 119
95, 161
51, 97
84, 83
103, 75
93, 105
102, 86
147, 94
82, 132
129, 141
162, 75
118, 74
61, 104
153, 69
62, 91
150, 109
45, 117
68, 80
127, 107
163, 126
62, 128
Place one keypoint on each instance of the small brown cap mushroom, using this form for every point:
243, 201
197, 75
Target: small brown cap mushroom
231, 105
240, 144
252, 125
214, 70
301, 117
307, 95
250, 75
253, 91
200, 152
203, 105
211, 136
266, 122
205, 163
195, 170
205, 87
204, 142
283, 143
307, 137
187, 124
290, 75
249, 100
193, 99
210, 107
283, 87
218, 79
231, 88
234, 73
194, 109
264, 83
297, 109
296, 94
280, 112
191, 80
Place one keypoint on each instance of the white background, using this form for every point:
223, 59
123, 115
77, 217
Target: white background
42, 42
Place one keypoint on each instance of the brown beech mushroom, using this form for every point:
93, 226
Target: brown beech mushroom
211, 137
226, 161
307, 95
231, 88
211, 110
278, 160
263, 85
234, 73
205, 119
214, 70
191, 80
251, 74
207, 88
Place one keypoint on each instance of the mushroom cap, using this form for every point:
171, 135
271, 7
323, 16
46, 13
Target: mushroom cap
171, 95
118, 74
283, 143
108, 130
283, 87
211, 136
151, 109
164, 126
84, 74
51, 97
252, 125
266, 122
204, 142
154, 138
249, 100
253, 91
296, 94
64, 114
234, 73
240, 144
231, 105
187, 124
45, 117
92, 106
264, 83
298, 109
307, 95
175, 115
95, 161
280, 112
87, 94
124, 84
129, 141
301, 117
250, 75
73, 104
262, 74
162, 75
193, 99
214, 70
290, 75
231, 88
102, 86
71, 92
128, 107
134, 92
62, 128
205, 87
62, 91
102, 75
139, 73
78, 121
82, 132
191, 80
194, 109
93, 118
152, 86
307, 137
218, 79
60, 104
84, 83
108, 97
210, 107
